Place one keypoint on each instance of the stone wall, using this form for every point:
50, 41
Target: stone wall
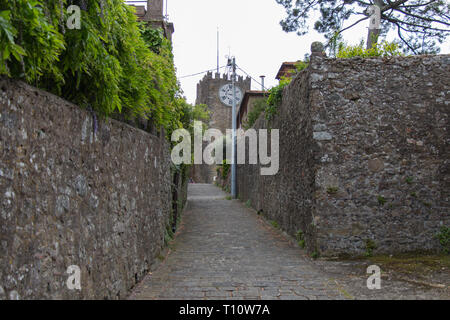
364, 156
203, 173
70, 195
287, 196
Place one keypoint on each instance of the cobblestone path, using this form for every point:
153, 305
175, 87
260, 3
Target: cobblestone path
224, 250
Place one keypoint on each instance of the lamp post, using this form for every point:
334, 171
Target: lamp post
232, 64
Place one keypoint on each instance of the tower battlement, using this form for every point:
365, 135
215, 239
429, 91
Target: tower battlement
240, 80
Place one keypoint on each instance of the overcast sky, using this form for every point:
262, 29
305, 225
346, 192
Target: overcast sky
249, 29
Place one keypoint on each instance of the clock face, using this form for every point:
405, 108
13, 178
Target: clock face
226, 95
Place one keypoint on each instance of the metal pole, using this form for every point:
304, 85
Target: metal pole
233, 143
218, 48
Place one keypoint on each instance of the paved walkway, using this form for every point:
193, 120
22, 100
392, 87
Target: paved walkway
224, 250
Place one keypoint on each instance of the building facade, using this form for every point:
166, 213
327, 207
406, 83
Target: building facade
248, 103
153, 14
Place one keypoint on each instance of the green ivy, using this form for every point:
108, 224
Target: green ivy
224, 169
112, 64
153, 37
300, 236
444, 238
30, 44
370, 246
275, 98
276, 93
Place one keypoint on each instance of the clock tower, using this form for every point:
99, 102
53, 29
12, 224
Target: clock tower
216, 92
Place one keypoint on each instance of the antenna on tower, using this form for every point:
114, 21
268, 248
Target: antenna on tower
217, 49
167, 16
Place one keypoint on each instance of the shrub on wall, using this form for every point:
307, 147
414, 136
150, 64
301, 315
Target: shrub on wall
444, 239
276, 93
383, 49
111, 64
275, 98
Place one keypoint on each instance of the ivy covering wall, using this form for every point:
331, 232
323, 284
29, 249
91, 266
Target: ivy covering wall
111, 64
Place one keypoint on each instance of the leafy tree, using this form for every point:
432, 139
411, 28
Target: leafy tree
419, 24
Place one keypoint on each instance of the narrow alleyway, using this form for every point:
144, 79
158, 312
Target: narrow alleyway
224, 250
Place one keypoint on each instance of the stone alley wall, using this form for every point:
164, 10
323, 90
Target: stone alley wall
364, 156
69, 196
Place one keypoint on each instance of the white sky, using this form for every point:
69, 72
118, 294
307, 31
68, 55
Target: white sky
249, 29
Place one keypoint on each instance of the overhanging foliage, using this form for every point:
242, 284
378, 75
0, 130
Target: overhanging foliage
112, 64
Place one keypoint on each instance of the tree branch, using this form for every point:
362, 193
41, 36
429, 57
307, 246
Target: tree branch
418, 5
354, 24
395, 21
404, 41
310, 4
364, 3
422, 18
393, 5
424, 31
